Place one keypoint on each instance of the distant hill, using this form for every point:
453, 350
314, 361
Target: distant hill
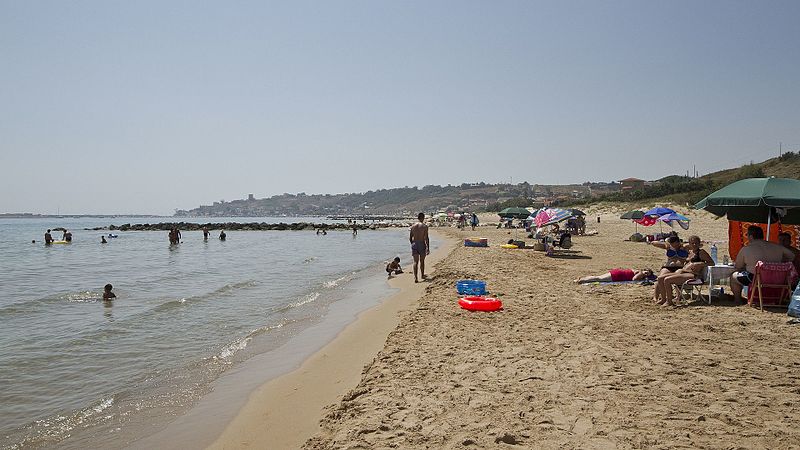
407, 201
682, 190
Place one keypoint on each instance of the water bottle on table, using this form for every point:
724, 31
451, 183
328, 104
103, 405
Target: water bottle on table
714, 253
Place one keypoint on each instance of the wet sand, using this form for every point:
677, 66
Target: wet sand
562, 366
286, 411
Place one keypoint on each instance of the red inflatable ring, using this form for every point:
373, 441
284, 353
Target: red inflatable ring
475, 303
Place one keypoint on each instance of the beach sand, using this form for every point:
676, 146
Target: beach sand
286, 411
562, 366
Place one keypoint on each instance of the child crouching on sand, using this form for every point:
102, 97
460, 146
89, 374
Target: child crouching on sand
393, 268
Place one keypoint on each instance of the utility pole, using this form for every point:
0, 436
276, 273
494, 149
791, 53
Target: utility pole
780, 149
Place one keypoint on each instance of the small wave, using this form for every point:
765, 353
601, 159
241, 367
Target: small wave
307, 299
31, 305
231, 349
224, 290
333, 283
241, 343
57, 428
82, 297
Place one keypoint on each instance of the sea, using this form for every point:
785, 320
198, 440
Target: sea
194, 328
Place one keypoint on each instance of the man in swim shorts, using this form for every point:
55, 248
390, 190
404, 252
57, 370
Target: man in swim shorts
420, 245
756, 250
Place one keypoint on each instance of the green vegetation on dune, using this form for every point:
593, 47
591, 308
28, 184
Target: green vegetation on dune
407, 201
687, 190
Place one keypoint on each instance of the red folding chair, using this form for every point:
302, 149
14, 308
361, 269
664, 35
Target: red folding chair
772, 284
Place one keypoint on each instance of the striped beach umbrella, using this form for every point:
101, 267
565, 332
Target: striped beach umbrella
549, 216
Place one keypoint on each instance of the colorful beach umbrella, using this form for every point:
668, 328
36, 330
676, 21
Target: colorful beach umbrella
647, 221
549, 216
659, 211
674, 218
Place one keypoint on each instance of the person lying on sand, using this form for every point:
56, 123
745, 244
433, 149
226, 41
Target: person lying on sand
619, 275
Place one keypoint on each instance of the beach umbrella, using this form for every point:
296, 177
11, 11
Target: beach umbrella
633, 215
758, 200
549, 216
577, 212
659, 211
673, 218
514, 213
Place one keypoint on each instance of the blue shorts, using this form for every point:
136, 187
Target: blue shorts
418, 248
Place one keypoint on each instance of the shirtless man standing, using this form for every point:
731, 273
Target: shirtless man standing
757, 250
420, 245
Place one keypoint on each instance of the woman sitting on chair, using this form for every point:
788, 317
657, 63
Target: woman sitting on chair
694, 269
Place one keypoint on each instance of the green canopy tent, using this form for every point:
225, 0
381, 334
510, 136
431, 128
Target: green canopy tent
759, 200
514, 213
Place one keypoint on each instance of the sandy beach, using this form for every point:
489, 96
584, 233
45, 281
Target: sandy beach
286, 411
562, 365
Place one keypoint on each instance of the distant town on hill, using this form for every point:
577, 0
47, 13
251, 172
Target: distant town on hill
478, 197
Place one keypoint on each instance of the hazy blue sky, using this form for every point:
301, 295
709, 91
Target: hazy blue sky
117, 106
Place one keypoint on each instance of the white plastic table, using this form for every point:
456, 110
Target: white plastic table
716, 274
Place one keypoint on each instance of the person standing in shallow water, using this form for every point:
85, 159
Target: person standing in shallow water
48, 238
222, 235
205, 233
420, 245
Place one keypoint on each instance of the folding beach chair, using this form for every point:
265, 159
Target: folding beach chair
691, 289
772, 284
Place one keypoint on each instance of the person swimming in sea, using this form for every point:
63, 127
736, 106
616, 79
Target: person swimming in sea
107, 294
222, 235
103, 240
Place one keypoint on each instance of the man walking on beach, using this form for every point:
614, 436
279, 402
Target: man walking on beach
420, 245
757, 250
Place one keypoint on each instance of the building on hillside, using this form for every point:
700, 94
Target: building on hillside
250, 197
632, 184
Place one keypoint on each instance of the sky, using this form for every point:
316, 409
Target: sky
119, 107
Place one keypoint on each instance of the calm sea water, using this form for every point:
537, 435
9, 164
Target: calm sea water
75, 371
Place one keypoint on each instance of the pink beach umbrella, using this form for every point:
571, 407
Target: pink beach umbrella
550, 216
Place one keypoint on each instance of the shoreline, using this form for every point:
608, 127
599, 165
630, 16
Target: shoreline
286, 410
